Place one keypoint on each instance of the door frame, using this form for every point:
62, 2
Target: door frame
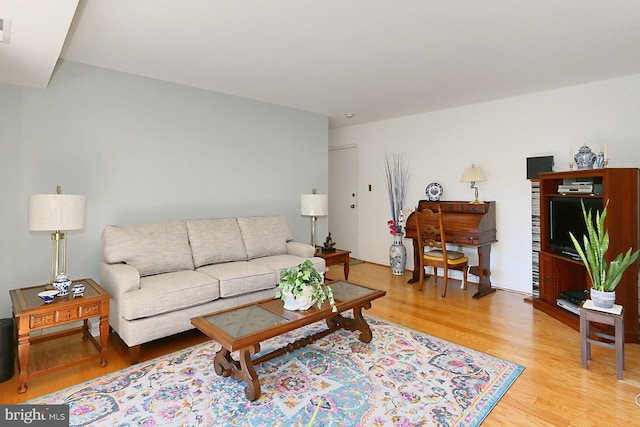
355, 252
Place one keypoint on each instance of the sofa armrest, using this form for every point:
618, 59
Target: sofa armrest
118, 278
300, 249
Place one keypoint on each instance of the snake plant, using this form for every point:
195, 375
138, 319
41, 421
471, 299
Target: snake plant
596, 243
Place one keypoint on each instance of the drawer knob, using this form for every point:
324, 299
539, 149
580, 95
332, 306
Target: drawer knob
68, 314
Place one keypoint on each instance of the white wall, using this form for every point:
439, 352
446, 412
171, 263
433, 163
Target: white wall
143, 150
497, 136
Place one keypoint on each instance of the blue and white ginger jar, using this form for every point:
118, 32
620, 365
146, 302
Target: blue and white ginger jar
585, 158
62, 284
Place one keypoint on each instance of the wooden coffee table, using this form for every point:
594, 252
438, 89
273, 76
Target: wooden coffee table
244, 328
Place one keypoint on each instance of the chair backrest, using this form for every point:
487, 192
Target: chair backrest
430, 231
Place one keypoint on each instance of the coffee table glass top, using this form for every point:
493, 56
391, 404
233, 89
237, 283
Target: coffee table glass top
254, 318
344, 291
245, 320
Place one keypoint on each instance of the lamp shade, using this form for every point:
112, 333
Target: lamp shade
473, 174
314, 205
52, 212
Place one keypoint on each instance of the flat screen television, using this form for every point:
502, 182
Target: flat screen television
565, 215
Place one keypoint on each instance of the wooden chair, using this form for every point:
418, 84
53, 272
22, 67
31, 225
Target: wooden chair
432, 246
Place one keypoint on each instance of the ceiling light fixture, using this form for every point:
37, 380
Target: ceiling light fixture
350, 115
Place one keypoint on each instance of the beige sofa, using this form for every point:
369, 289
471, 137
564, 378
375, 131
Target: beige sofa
160, 275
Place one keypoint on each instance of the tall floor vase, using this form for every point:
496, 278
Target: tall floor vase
397, 255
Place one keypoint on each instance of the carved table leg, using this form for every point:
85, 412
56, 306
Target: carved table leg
483, 271
85, 330
248, 375
24, 346
104, 337
225, 366
223, 363
356, 324
346, 267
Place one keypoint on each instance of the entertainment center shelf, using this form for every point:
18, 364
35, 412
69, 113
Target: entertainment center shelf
560, 213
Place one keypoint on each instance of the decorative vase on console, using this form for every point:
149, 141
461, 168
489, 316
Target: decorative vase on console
398, 255
585, 158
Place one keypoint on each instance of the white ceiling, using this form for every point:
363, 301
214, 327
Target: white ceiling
377, 58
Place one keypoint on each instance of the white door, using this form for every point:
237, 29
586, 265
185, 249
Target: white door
343, 197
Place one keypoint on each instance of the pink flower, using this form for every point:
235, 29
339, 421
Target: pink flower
394, 228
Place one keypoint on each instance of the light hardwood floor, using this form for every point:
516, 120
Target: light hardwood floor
553, 390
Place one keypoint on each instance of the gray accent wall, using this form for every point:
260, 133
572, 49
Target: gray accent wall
143, 150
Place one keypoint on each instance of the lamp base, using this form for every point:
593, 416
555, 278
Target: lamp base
476, 201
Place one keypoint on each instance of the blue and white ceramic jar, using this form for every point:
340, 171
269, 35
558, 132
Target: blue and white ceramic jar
77, 290
62, 284
585, 158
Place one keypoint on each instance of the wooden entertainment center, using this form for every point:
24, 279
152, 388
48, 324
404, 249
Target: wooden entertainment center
559, 273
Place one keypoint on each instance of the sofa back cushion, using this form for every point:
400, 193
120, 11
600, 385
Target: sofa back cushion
153, 248
215, 240
264, 235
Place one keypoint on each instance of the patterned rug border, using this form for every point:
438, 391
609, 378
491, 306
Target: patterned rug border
519, 369
498, 386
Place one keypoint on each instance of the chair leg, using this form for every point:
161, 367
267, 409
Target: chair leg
444, 286
421, 279
435, 276
465, 273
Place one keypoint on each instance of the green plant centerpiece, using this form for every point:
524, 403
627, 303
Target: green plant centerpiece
604, 278
302, 286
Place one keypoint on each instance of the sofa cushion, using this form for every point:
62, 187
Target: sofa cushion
240, 277
215, 240
154, 248
264, 235
280, 262
162, 293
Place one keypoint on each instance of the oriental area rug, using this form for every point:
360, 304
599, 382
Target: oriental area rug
401, 378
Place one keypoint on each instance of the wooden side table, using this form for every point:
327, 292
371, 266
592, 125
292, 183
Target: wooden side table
615, 342
31, 314
338, 256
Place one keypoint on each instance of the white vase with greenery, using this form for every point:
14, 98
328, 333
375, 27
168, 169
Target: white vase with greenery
303, 286
604, 277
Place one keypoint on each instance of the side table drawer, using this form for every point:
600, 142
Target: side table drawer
68, 314
92, 310
61, 316
42, 320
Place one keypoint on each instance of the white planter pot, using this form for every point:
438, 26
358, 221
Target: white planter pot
603, 299
298, 302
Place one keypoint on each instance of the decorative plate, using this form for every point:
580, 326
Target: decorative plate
434, 191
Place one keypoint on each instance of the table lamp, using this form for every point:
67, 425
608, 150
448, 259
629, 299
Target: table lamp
56, 212
473, 174
314, 205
